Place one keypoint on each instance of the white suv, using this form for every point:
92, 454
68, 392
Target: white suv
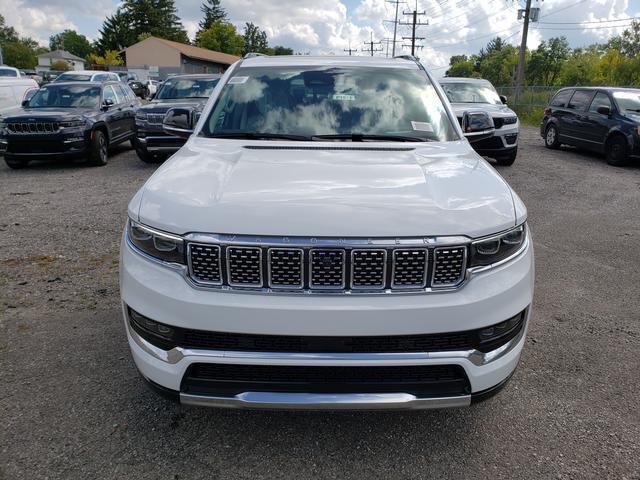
326, 239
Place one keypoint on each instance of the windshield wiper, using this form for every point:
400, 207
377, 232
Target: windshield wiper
261, 136
633, 109
363, 137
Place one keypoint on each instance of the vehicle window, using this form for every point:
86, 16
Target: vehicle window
561, 98
471, 93
113, 77
73, 77
124, 92
330, 101
109, 94
580, 100
66, 96
187, 88
7, 72
628, 100
101, 77
600, 100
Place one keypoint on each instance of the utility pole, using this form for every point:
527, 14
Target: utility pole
529, 14
395, 25
350, 50
371, 44
414, 23
387, 42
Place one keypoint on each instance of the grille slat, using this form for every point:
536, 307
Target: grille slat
244, 266
368, 269
448, 266
155, 118
285, 268
328, 269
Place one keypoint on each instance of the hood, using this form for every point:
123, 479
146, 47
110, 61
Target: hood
161, 106
43, 114
491, 108
282, 188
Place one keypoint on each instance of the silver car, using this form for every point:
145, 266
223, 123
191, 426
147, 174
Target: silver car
469, 93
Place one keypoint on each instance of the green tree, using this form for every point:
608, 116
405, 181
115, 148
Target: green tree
461, 66
213, 13
19, 55
111, 57
136, 17
546, 61
72, 42
280, 50
7, 34
255, 39
222, 37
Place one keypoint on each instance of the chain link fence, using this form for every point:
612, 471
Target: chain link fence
531, 102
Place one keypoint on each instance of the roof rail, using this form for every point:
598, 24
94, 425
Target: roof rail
408, 57
254, 54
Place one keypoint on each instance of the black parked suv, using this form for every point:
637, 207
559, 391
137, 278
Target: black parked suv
192, 91
131, 79
69, 119
603, 119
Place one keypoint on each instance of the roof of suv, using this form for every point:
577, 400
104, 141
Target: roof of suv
328, 60
464, 80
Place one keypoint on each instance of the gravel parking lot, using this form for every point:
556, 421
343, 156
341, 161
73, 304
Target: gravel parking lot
73, 406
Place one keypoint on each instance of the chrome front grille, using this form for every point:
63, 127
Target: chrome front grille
155, 118
33, 127
341, 266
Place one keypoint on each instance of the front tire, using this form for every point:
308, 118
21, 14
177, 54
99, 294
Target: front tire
551, 137
99, 149
617, 151
15, 163
509, 159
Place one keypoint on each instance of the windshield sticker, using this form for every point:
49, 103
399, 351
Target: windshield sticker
238, 80
422, 126
344, 97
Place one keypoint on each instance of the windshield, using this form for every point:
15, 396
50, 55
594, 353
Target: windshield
7, 72
66, 96
471, 93
73, 77
343, 101
628, 100
187, 88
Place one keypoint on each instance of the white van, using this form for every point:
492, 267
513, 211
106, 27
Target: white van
14, 90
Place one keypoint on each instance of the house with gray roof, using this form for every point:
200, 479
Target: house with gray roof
46, 59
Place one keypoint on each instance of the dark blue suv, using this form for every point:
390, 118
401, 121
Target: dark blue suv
603, 119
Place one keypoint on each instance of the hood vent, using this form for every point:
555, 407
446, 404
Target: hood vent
325, 148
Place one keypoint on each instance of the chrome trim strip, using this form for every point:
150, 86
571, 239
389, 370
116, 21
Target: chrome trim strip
176, 354
326, 401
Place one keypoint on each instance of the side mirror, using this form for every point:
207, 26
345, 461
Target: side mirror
503, 99
107, 104
477, 125
179, 122
604, 111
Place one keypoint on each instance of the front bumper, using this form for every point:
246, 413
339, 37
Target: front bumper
43, 145
155, 140
164, 295
501, 144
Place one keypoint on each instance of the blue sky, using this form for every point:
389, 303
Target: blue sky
327, 26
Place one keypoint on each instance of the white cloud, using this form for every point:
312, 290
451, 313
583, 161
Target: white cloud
36, 22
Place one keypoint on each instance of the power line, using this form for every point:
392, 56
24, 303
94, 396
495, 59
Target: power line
608, 27
414, 23
590, 22
371, 44
395, 25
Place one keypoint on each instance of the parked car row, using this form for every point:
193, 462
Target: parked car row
83, 115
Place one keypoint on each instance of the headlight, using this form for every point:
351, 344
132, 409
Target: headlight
510, 120
163, 246
494, 249
141, 115
72, 123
